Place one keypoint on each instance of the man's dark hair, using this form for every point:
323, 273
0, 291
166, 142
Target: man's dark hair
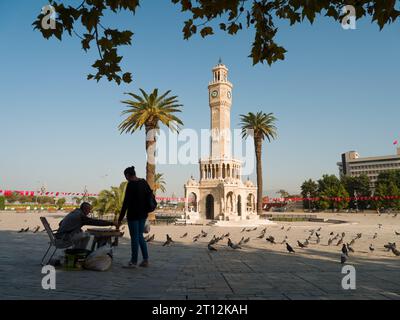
84, 204
130, 171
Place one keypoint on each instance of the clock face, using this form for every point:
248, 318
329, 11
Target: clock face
214, 94
229, 94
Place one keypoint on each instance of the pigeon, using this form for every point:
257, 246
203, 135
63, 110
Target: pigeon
203, 234
184, 236
211, 248
22, 230
254, 229
397, 233
318, 235
261, 235
344, 250
330, 241
371, 248
343, 234
271, 239
311, 232
331, 234
26, 230
395, 251
375, 236
283, 227
227, 235
319, 229
36, 229
241, 241
289, 248
233, 245
149, 239
340, 242
389, 246
343, 258
246, 240
301, 245
359, 235
350, 248
288, 229
243, 230
168, 242
213, 240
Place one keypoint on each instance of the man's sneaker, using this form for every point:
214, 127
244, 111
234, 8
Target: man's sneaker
144, 264
130, 265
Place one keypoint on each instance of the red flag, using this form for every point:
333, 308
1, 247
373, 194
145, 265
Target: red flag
396, 142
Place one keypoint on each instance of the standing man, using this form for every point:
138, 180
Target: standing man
136, 208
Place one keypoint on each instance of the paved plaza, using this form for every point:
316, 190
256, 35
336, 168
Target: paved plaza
187, 270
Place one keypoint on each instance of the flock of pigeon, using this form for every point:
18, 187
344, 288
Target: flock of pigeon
314, 238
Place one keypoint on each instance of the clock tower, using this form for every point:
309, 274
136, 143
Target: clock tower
220, 100
220, 194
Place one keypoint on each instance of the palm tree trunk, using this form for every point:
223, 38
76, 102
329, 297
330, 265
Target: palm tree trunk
150, 151
258, 146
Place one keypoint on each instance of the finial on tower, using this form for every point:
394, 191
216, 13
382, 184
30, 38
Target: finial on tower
220, 60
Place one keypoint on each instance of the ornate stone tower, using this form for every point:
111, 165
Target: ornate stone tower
220, 100
220, 193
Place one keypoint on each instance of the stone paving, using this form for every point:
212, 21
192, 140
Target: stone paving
187, 270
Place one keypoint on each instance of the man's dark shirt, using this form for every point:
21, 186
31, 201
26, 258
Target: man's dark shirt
75, 220
136, 201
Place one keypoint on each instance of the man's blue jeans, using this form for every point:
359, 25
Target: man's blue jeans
136, 228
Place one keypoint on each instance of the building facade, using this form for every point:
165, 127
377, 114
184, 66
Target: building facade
353, 165
220, 193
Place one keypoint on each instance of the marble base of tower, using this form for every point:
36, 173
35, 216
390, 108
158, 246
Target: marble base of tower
225, 199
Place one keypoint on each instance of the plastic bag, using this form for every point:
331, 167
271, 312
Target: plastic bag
146, 227
99, 260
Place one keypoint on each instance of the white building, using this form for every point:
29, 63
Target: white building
353, 165
220, 193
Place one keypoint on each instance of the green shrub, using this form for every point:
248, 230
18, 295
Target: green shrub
2, 203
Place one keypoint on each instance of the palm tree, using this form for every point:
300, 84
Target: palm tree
149, 111
159, 183
259, 126
110, 201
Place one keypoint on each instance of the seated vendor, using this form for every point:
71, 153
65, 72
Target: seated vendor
70, 228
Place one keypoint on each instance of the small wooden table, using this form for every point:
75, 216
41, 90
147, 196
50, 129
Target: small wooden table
104, 236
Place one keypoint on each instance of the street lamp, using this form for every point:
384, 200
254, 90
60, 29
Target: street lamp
355, 200
309, 201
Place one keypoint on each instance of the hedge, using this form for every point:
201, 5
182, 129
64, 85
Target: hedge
2, 203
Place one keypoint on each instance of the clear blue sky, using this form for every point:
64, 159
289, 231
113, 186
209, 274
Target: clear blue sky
336, 91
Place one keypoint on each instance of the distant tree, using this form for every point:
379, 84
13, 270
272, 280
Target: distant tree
231, 16
283, 193
360, 187
77, 200
2, 202
110, 201
309, 188
332, 192
388, 185
159, 183
260, 126
61, 202
149, 112
13, 197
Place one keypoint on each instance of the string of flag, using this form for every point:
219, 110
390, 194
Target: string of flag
8, 193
